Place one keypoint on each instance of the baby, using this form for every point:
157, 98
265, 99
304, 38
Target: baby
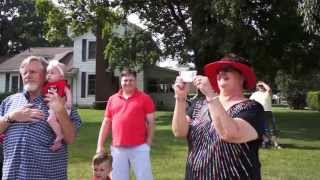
102, 166
57, 84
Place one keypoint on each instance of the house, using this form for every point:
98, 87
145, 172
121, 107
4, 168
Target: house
152, 79
80, 62
10, 80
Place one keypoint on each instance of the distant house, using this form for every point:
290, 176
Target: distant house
80, 61
10, 80
152, 79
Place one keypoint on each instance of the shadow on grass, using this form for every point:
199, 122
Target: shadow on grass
294, 146
164, 144
293, 125
299, 125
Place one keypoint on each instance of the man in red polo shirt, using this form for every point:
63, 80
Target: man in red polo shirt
130, 116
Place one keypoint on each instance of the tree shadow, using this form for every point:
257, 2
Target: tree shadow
300, 126
294, 146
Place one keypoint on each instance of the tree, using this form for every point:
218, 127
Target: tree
133, 49
101, 17
309, 9
197, 31
203, 30
54, 24
20, 27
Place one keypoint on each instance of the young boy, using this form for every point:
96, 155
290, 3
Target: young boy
102, 166
56, 83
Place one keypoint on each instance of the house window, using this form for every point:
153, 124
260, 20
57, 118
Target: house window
92, 50
14, 84
91, 84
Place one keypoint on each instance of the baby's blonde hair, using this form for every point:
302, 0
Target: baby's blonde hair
56, 64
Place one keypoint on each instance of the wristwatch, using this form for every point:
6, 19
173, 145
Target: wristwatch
8, 119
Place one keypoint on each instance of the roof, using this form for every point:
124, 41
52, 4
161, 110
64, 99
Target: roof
63, 54
3, 58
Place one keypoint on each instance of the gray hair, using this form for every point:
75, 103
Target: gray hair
30, 59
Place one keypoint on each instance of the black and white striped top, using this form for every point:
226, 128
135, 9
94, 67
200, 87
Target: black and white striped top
211, 158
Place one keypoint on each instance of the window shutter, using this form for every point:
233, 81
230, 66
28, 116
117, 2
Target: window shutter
7, 82
84, 50
83, 84
20, 83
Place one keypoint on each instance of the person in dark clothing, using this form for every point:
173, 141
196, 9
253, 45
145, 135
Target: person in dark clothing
223, 128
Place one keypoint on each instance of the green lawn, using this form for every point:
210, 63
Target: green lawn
299, 159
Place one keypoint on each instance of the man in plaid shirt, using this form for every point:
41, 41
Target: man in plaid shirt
28, 136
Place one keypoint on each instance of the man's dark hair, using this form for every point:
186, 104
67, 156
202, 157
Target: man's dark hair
128, 72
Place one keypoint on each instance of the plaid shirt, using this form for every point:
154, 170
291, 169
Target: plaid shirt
27, 153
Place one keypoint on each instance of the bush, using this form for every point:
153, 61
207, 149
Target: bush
296, 95
296, 99
4, 95
100, 105
293, 89
313, 100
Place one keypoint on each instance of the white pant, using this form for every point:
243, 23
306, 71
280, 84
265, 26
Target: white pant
137, 157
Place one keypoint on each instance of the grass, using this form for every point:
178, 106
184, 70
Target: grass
299, 158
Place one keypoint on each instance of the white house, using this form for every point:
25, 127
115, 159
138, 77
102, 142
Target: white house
152, 79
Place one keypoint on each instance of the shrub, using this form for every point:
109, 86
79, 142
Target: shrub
100, 105
293, 89
296, 95
313, 100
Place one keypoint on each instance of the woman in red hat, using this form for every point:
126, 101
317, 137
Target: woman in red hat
223, 128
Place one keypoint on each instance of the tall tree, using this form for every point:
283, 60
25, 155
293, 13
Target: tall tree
20, 27
203, 30
99, 17
134, 48
113, 50
55, 23
195, 31
309, 9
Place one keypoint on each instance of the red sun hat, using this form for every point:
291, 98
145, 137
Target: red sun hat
211, 71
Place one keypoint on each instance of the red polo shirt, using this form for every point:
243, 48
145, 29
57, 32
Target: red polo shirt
128, 118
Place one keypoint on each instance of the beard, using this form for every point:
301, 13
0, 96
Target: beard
31, 87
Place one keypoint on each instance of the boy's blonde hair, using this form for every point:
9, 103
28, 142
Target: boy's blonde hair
102, 157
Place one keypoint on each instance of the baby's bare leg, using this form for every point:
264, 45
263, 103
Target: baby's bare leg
54, 124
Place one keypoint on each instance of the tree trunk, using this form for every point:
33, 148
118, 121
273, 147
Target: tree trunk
104, 87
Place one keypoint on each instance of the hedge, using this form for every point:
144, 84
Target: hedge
313, 100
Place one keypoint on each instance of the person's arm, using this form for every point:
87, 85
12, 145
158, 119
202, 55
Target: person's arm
103, 134
151, 125
21, 115
4, 123
180, 125
57, 104
68, 97
266, 86
233, 130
